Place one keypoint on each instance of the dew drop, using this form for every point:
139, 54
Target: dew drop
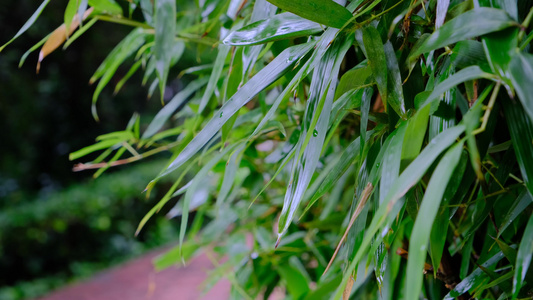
315, 133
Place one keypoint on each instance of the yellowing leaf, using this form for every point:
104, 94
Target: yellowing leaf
59, 36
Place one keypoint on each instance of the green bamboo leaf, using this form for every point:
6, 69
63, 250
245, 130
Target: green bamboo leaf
414, 137
28, 23
376, 59
394, 81
521, 129
523, 258
468, 53
477, 278
348, 157
297, 283
426, 215
521, 69
165, 32
106, 6
260, 81
79, 32
232, 165
90, 149
325, 12
391, 161
354, 79
279, 27
409, 177
220, 60
500, 47
314, 128
473, 23
169, 109
195, 185
262, 10
70, 12
129, 45
469, 73
517, 207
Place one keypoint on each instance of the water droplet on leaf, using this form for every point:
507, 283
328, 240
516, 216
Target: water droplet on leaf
315, 133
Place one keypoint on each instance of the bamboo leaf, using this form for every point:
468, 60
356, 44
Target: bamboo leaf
314, 128
325, 12
519, 205
473, 23
521, 129
28, 23
521, 69
279, 27
169, 109
259, 82
106, 6
469, 73
523, 258
426, 215
223, 51
165, 32
476, 278
409, 177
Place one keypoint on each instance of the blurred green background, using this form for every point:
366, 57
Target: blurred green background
57, 225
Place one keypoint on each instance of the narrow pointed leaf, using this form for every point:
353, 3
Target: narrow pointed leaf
223, 51
315, 125
325, 12
165, 32
409, 177
521, 71
418, 243
170, 108
476, 278
259, 82
520, 204
521, 129
28, 23
279, 27
523, 258
469, 73
470, 24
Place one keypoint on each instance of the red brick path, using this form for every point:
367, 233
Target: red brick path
137, 280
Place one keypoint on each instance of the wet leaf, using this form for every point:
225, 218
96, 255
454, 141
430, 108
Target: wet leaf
259, 82
279, 27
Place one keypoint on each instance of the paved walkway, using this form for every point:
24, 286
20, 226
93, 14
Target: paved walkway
137, 280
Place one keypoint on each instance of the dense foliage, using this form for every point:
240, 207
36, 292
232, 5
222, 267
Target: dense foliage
73, 233
392, 139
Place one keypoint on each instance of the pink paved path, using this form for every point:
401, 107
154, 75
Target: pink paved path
137, 280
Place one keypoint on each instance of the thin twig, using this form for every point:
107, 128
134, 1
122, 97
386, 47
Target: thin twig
364, 198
